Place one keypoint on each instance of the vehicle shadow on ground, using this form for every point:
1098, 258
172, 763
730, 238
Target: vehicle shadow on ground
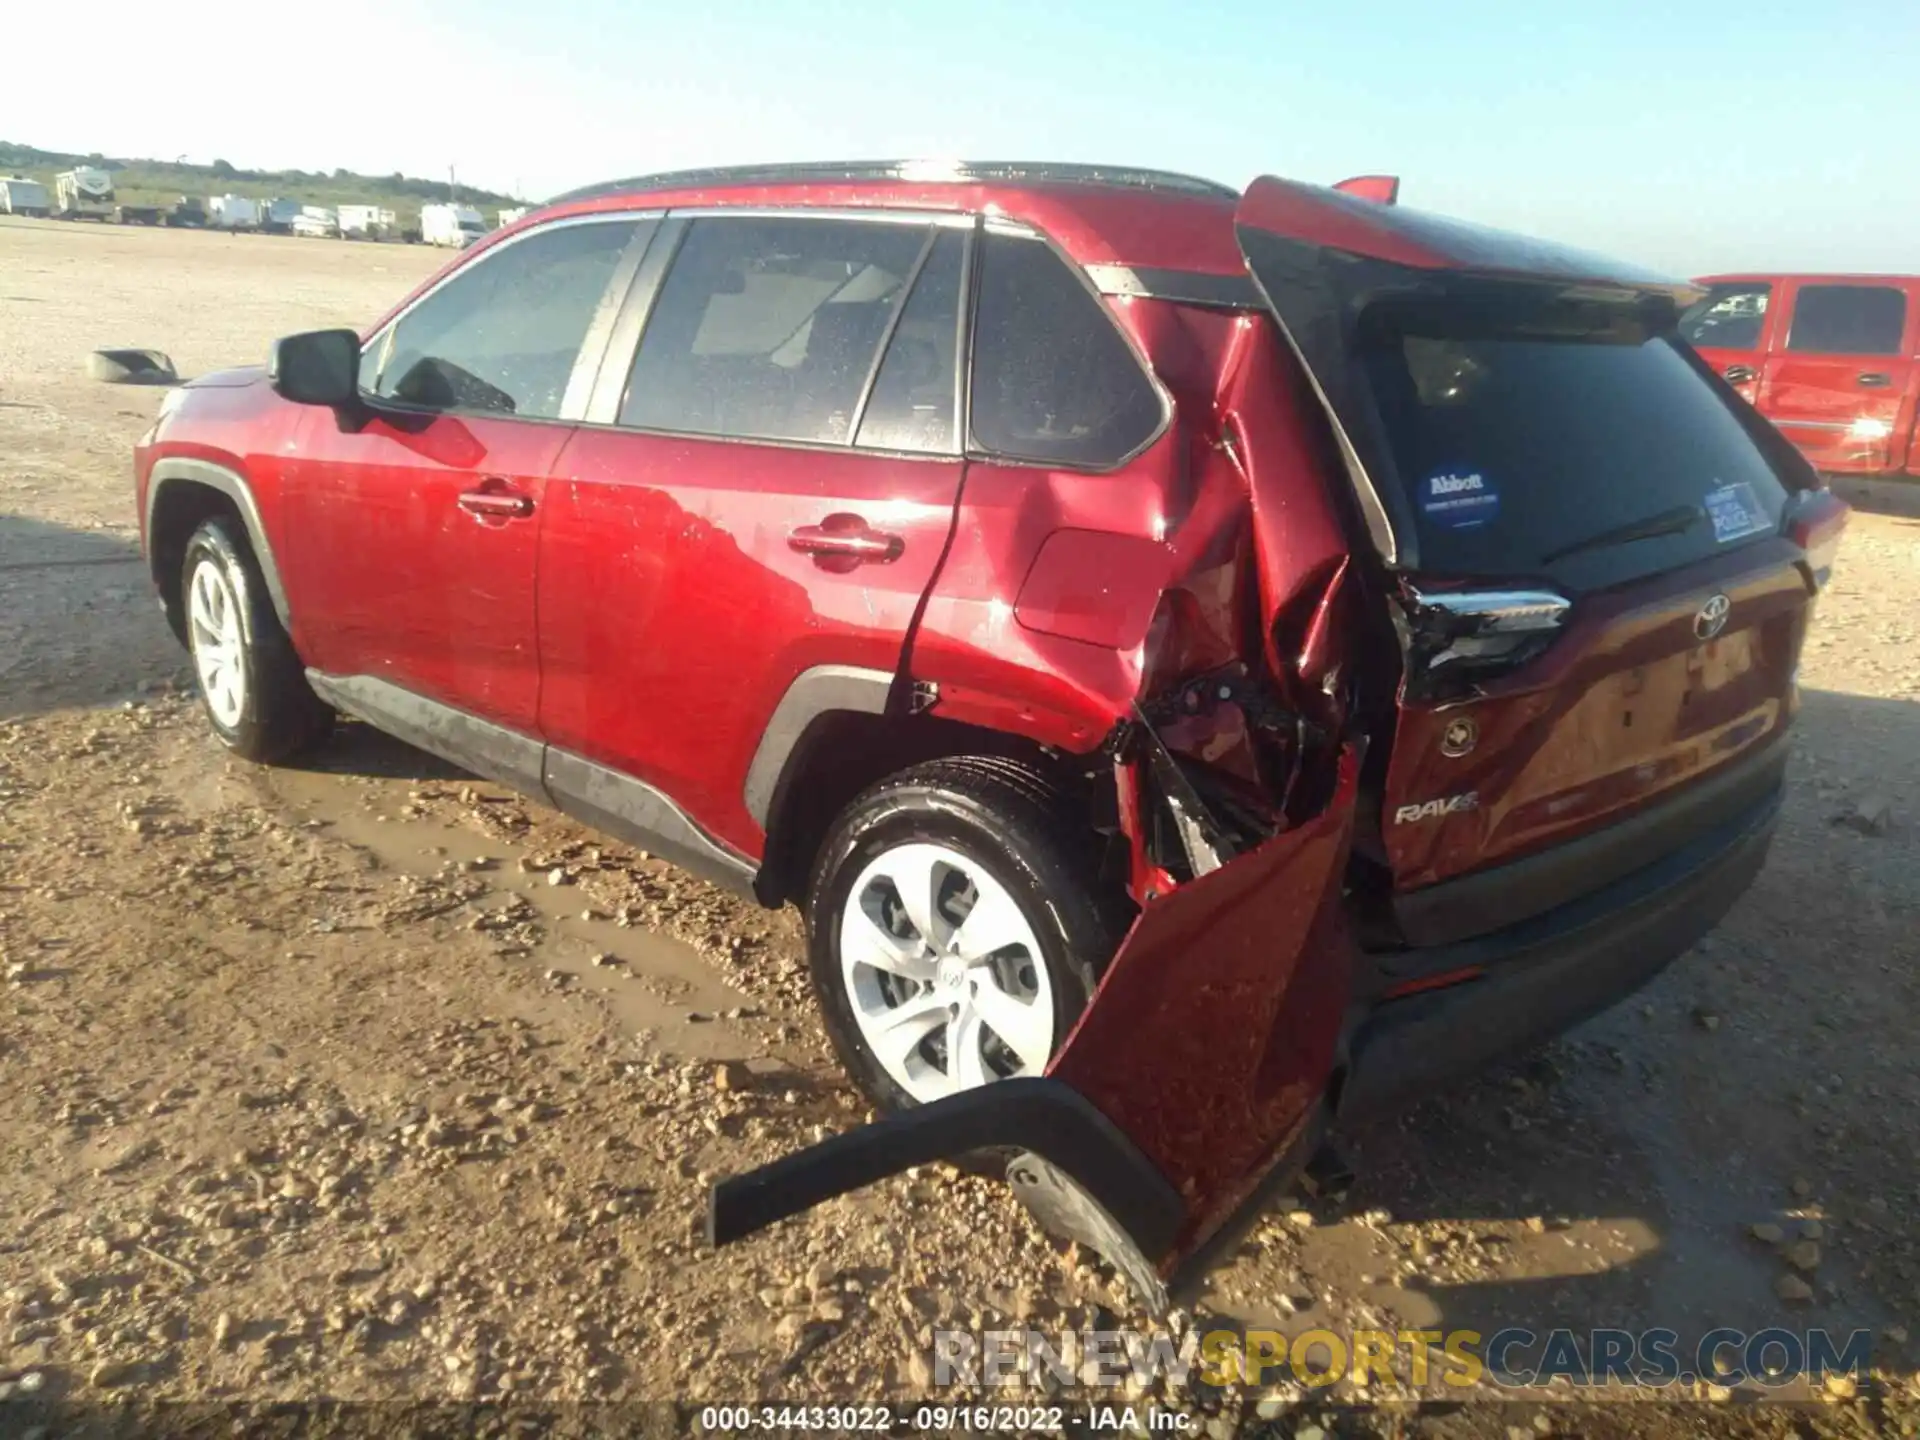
356, 748
78, 622
1613, 1177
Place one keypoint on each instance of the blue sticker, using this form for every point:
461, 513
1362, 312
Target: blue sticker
1736, 512
1459, 499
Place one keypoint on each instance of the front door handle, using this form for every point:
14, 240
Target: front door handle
1874, 379
842, 541
1738, 374
495, 503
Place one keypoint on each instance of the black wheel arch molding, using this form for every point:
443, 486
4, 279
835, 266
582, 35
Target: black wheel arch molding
172, 472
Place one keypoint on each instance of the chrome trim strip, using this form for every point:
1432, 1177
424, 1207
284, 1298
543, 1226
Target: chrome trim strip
234, 486
888, 215
1185, 287
1816, 424
1503, 612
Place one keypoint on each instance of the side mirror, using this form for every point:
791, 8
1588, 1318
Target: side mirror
319, 367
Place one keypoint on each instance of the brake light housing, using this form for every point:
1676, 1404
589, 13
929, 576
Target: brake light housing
1816, 523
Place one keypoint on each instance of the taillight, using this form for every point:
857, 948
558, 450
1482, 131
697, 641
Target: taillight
1457, 636
1816, 523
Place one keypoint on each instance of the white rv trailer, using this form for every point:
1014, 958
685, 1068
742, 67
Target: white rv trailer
367, 222
455, 225
21, 196
84, 191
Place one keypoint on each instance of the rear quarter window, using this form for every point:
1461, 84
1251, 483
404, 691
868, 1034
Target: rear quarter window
1054, 380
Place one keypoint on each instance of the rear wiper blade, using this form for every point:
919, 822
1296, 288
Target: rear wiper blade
1667, 522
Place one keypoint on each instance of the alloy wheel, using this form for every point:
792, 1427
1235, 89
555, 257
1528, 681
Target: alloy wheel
945, 975
213, 629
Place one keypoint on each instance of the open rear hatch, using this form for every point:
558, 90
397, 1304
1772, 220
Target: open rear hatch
1597, 564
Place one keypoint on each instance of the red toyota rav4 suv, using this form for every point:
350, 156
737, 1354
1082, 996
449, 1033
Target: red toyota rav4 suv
1211, 663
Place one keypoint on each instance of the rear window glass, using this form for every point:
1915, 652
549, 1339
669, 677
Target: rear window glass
1729, 317
1848, 320
1568, 444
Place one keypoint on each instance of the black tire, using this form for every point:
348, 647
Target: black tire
278, 715
132, 367
999, 814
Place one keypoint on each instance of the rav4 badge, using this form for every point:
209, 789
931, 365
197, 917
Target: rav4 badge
1435, 809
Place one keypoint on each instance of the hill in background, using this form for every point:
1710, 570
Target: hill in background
158, 182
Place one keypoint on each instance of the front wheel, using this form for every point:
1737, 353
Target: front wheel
252, 685
954, 930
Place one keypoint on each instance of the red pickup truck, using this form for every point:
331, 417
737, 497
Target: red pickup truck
1830, 359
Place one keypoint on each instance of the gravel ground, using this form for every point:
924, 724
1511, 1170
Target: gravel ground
373, 1081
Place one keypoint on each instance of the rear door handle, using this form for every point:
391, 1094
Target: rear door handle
495, 502
847, 540
1874, 379
1738, 374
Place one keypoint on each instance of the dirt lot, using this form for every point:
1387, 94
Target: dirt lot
369, 1080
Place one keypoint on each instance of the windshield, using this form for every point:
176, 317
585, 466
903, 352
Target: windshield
1575, 442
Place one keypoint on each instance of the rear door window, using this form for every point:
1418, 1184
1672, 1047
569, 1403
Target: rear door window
1054, 380
768, 328
1569, 441
502, 334
915, 400
1848, 320
1728, 317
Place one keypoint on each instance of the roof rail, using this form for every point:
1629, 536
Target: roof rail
930, 171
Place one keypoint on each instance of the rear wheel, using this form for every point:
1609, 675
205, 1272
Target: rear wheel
954, 931
252, 685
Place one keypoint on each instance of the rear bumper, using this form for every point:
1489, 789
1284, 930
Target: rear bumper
1546, 975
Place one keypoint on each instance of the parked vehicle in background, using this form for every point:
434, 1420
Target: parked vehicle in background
1208, 666
233, 212
1830, 359
277, 215
456, 225
316, 222
21, 196
140, 214
511, 214
187, 213
367, 222
83, 193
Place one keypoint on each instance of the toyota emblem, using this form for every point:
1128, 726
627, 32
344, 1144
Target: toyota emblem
1459, 737
1712, 617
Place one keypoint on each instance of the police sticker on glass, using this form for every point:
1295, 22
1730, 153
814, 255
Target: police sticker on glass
1459, 499
1736, 512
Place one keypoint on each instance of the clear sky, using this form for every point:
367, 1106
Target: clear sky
1686, 135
